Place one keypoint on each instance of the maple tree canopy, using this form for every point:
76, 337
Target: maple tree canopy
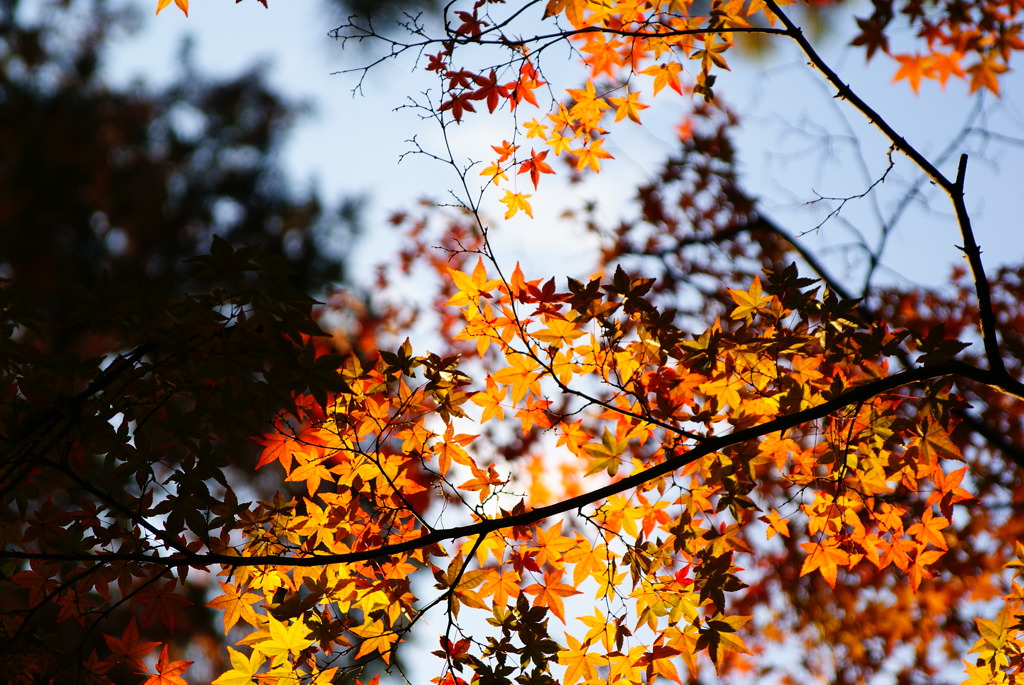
706, 459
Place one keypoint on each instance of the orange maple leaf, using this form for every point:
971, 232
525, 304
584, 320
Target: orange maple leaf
918, 570
985, 74
913, 68
490, 401
535, 166
749, 302
182, 5
550, 593
825, 557
629, 106
551, 545
235, 605
929, 530
665, 75
573, 10
168, 672
591, 155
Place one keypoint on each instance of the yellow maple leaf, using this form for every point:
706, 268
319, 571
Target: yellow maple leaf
376, 639
749, 302
591, 155
579, 663
516, 202
243, 668
471, 287
285, 638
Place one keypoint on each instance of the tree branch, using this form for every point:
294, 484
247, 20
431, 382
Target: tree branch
973, 253
860, 393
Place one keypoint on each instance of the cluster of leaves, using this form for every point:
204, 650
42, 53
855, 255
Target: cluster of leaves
622, 481
633, 51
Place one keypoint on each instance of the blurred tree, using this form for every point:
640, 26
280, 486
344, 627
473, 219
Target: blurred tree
126, 183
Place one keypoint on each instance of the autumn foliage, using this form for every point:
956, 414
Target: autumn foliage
702, 458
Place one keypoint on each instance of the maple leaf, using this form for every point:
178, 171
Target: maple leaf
451, 449
522, 375
825, 557
490, 400
551, 545
471, 287
376, 638
235, 606
161, 602
534, 413
947, 491
516, 202
629, 106
182, 5
872, 36
491, 91
749, 302
535, 129
277, 446
600, 628
665, 75
985, 74
523, 87
458, 105
127, 648
560, 143
931, 441
312, 471
243, 668
550, 593
913, 68
918, 570
535, 166
658, 660
776, 524
591, 155
472, 25
168, 672
589, 108
579, 663
946, 64
573, 10
495, 172
482, 481
284, 638
928, 530
501, 585
505, 150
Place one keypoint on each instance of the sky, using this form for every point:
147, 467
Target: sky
796, 141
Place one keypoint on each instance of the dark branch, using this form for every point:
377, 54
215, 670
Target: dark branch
860, 393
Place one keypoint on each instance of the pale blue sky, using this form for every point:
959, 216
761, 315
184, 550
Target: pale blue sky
795, 139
